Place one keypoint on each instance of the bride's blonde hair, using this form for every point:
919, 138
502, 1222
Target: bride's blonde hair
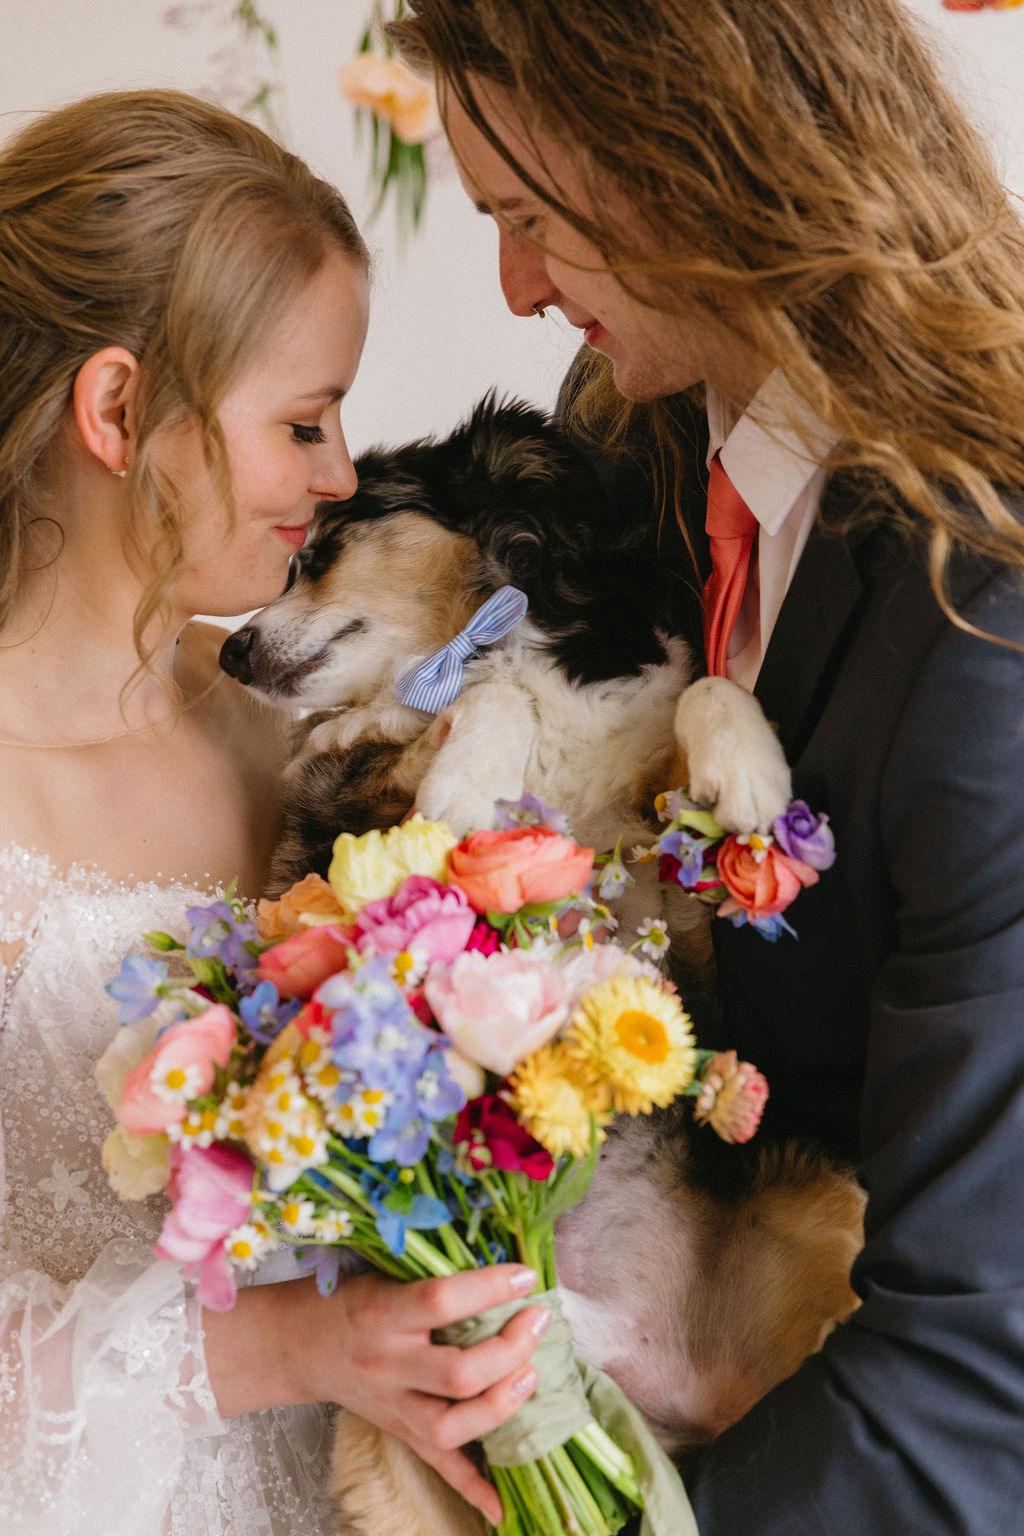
799, 167
156, 222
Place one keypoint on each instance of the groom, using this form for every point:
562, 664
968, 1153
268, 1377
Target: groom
776, 187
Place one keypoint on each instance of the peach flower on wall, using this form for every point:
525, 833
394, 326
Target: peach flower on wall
393, 93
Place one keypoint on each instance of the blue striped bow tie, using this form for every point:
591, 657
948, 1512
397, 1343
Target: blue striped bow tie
438, 680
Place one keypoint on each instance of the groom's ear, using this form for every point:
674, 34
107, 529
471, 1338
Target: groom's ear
103, 403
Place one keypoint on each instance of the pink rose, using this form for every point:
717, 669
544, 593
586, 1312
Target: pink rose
210, 1189
182, 1067
300, 963
502, 871
498, 1008
761, 887
424, 914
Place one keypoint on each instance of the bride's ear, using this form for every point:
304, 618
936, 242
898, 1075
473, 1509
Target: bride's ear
103, 401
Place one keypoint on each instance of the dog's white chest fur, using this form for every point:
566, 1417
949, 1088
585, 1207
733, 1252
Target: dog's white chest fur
519, 726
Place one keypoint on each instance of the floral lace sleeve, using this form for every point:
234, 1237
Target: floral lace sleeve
107, 1418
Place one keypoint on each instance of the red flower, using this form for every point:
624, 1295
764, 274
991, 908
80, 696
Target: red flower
497, 1140
761, 883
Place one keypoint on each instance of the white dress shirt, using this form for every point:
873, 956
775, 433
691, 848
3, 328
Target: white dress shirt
776, 468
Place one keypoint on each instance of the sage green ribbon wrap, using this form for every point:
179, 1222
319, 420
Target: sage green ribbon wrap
570, 1394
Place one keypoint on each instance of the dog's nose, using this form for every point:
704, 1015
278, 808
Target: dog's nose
235, 654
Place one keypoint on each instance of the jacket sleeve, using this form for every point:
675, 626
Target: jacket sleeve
911, 1418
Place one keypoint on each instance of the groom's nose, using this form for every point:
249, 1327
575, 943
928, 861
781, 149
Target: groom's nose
523, 274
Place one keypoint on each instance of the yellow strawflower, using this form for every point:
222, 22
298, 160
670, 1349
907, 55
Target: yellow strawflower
556, 1102
635, 1037
367, 868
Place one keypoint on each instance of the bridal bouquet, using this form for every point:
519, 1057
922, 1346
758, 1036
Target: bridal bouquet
410, 1060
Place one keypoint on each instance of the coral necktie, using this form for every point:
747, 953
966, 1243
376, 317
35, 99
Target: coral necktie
732, 531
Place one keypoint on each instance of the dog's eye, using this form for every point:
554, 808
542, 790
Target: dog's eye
306, 434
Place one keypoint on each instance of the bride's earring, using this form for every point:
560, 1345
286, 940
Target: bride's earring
120, 473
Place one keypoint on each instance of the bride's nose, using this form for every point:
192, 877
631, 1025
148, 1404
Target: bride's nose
333, 473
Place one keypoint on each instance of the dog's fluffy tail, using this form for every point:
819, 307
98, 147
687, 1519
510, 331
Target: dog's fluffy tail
382, 1488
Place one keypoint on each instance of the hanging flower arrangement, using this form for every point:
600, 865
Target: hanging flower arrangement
401, 112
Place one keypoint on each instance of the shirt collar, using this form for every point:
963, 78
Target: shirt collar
772, 452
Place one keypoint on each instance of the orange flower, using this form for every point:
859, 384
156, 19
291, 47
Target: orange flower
308, 904
503, 871
393, 93
300, 963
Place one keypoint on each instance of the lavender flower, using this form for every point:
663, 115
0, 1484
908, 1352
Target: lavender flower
688, 851
806, 837
219, 933
530, 812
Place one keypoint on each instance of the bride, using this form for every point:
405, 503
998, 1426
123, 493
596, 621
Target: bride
182, 307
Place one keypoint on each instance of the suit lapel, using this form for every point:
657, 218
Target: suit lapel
808, 639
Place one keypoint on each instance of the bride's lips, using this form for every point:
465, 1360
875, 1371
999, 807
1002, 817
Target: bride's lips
294, 534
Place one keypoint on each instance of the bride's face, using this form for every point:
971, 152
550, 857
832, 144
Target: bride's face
285, 446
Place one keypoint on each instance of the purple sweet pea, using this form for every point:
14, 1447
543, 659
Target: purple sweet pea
805, 836
423, 914
688, 851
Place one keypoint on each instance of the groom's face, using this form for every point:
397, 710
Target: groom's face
544, 261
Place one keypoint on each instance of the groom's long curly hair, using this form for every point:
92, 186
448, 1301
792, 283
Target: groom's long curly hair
799, 167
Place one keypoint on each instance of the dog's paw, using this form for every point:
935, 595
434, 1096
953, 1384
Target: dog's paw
455, 802
735, 761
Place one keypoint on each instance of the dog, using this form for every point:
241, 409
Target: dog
728, 1267
585, 704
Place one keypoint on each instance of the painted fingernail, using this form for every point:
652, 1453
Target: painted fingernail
540, 1322
523, 1281
524, 1384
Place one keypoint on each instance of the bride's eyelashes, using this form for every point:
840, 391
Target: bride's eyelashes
307, 434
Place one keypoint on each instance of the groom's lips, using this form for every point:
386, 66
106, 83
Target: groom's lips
594, 333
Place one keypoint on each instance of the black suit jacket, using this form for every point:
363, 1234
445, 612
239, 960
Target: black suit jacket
893, 1030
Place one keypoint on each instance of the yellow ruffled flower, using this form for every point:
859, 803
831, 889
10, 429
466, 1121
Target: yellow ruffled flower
373, 866
556, 1102
632, 1035
136, 1166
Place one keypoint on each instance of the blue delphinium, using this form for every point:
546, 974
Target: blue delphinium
137, 987
265, 1013
219, 932
688, 851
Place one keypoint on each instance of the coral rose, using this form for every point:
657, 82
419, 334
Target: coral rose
498, 1008
183, 1066
502, 871
210, 1191
422, 914
300, 963
760, 886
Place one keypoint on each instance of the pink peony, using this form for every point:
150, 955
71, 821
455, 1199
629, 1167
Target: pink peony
210, 1191
422, 914
502, 871
182, 1066
763, 886
498, 1008
300, 963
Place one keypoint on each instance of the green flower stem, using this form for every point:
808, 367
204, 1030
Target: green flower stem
544, 1513
568, 1506
461, 1256
610, 1459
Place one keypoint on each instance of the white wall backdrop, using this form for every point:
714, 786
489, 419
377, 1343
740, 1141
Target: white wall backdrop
440, 334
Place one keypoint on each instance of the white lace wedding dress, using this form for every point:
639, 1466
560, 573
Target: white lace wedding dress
107, 1421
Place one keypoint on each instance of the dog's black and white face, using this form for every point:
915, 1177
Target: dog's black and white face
366, 594
394, 573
